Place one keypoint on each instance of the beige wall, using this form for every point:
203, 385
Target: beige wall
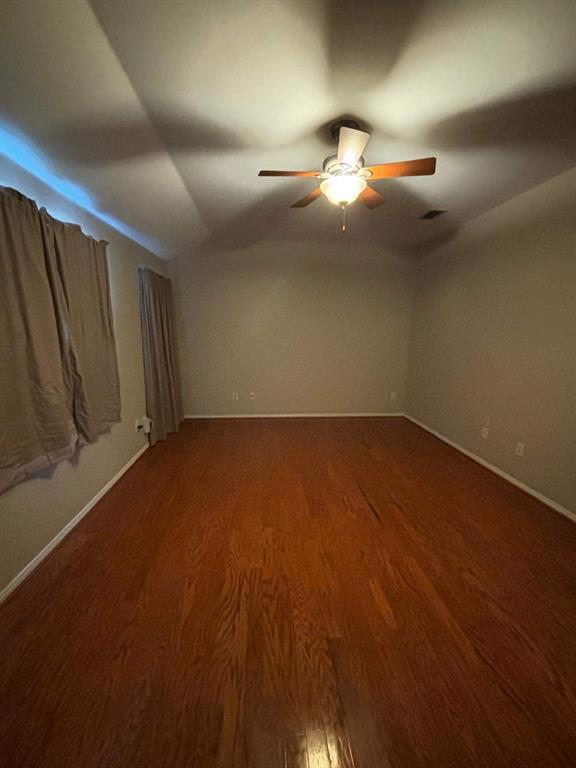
494, 336
309, 328
35, 511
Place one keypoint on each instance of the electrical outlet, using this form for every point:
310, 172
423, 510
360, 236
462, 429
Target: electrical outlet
519, 450
484, 433
393, 395
143, 424
252, 395
235, 396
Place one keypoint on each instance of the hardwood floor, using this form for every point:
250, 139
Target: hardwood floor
290, 593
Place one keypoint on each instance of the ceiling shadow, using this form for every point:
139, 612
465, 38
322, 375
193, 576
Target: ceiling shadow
115, 140
420, 250
401, 222
249, 226
272, 219
547, 118
365, 39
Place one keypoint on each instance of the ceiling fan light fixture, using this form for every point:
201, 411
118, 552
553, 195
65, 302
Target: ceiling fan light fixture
342, 190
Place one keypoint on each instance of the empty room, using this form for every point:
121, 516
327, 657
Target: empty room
287, 384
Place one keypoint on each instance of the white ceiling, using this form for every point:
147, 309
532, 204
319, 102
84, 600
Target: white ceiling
165, 110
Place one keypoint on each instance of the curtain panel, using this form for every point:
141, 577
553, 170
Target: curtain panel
58, 368
161, 375
78, 271
37, 428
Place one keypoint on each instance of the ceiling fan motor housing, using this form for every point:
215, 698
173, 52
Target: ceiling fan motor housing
334, 168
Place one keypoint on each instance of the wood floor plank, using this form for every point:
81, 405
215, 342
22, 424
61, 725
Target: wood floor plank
298, 593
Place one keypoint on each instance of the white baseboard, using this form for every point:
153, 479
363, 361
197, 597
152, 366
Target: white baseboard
27, 570
500, 472
285, 415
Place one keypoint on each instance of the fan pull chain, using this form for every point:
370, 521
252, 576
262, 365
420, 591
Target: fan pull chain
343, 219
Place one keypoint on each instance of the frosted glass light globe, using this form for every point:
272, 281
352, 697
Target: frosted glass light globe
342, 190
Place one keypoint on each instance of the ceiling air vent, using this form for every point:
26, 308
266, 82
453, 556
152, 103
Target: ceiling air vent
432, 214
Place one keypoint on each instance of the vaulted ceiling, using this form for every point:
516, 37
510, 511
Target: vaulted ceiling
165, 110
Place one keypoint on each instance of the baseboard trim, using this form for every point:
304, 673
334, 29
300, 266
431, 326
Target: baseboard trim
27, 570
287, 415
500, 472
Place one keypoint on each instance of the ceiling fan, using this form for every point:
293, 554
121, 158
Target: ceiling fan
345, 177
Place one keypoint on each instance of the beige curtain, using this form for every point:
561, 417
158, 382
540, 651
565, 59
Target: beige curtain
78, 271
58, 369
36, 424
163, 401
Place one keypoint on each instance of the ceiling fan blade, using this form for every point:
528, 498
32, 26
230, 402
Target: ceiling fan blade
351, 144
308, 174
314, 195
371, 198
426, 166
